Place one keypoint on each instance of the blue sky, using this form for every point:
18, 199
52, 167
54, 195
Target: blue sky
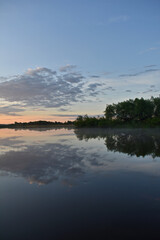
60, 58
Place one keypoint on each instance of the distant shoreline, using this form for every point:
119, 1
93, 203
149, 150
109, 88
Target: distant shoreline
37, 124
72, 126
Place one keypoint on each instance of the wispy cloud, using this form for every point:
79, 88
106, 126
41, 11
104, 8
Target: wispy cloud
40, 71
117, 19
150, 66
128, 90
139, 73
93, 86
95, 76
149, 50
74, 115
11, 110
110, 88
67, 68
65, 115
150, 91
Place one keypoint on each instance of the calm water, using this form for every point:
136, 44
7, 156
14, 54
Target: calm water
78, 184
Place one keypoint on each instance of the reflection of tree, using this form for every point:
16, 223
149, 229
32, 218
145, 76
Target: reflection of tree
44, 162
139, 145
138, 142
88, 133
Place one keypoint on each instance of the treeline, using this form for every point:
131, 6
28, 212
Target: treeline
137, 113
40, 123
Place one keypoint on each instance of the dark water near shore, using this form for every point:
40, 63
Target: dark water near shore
79, 184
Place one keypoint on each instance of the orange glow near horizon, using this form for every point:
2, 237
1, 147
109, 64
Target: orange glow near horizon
5, 119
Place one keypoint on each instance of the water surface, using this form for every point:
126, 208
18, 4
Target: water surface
79, 183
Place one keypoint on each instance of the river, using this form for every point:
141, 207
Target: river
79, 183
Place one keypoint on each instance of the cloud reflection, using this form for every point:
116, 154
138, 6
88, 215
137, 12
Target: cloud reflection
51, 156
43, 163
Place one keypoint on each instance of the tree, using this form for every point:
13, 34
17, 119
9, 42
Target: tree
143, 109
156, 102
79, 121
110, 111
125, 110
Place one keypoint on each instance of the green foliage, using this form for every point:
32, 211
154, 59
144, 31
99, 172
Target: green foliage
134, 110
40, 123
156, 102
110, 111
144, 109
131, 113
125, 111
85, 121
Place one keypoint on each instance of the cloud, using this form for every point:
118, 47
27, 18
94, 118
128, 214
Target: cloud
139, 73
149, 50
74, 115
73, 77
122, 18
93, 86
128, 90
94, 89
39, 71
95, 76
150, 66
11, 110
106, 73
110, 88
151, 70
43, 87
2, 79
63, 109
65, 115
67, 68
150, 90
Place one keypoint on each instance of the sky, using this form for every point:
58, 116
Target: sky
64, 58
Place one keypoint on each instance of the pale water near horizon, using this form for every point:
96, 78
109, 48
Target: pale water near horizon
79, 183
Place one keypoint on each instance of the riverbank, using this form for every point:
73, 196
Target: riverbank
116, 123
37, 124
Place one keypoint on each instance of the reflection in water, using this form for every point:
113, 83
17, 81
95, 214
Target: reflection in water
43, 158
116, 179
139, 142
43, 163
